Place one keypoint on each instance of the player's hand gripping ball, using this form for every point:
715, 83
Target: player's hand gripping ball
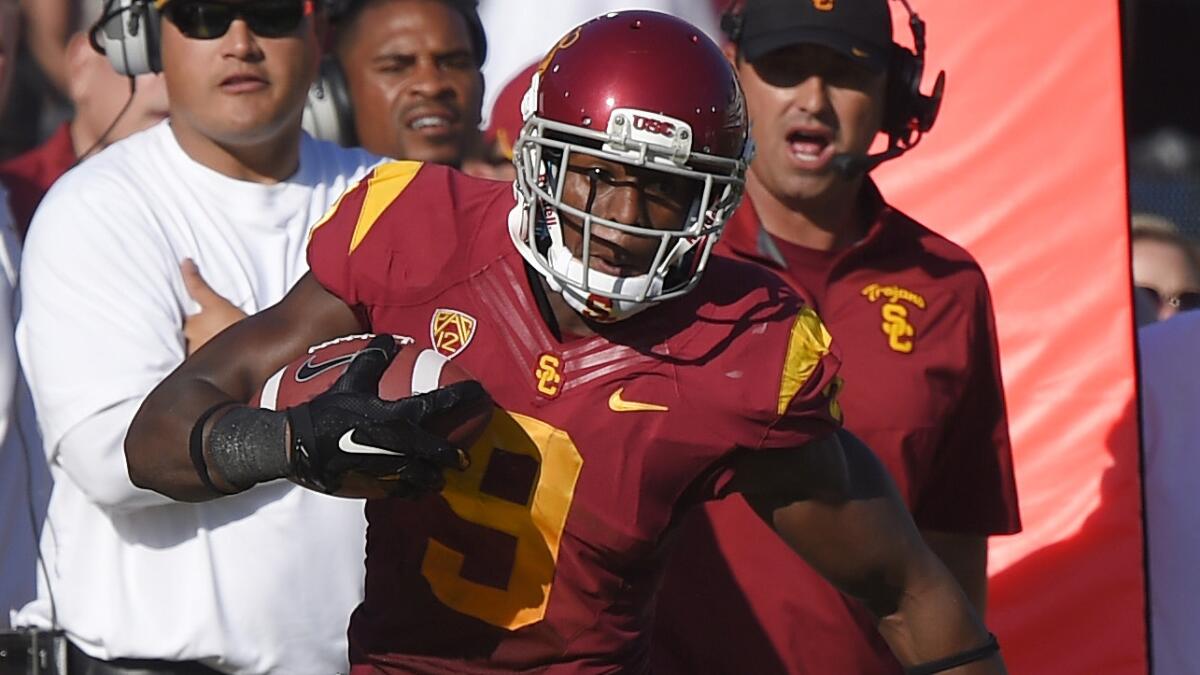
371, 416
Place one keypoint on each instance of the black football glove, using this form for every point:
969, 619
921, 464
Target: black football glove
349, 428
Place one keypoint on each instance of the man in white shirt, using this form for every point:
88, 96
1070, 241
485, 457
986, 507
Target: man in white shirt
141, 583
1170, 373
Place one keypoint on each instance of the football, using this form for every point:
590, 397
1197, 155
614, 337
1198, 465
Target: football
412, 371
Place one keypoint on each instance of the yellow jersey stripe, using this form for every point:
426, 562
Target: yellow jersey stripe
337, 204
807, 344
383, 187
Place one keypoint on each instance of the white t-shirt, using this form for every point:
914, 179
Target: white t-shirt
24, 480
263, 581
517, 38
1170, 365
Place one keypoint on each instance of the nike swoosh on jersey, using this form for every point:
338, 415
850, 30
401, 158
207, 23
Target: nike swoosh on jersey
618, 404
348, 445
308, 370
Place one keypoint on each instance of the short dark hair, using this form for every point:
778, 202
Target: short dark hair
344, 13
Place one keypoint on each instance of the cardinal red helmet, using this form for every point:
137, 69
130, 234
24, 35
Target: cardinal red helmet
640, 88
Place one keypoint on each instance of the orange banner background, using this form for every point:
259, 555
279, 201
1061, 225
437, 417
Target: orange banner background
1026, 168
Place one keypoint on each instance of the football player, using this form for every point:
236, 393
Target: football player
635, 377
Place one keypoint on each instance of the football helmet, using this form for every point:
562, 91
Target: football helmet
647, 90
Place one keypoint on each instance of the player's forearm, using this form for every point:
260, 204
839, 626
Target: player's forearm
157, 447
934, 621
965, 555
163, 452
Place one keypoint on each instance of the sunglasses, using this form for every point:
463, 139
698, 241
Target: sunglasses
210, 19
1184, 301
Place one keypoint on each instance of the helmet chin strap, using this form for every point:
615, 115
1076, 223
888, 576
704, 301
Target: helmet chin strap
594, 305
564, 265
556, 261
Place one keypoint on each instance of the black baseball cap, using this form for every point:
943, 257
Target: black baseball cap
860, 29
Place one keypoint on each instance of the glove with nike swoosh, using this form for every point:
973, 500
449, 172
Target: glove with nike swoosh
348, 428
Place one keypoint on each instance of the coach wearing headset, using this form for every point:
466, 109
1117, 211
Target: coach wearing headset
107, 108
403, 79
142, 584
910, 309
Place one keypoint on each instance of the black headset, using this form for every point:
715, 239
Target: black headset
908, 112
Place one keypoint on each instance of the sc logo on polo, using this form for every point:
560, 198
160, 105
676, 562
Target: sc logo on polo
657, 127
896, 326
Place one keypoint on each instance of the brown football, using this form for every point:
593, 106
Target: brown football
412, 371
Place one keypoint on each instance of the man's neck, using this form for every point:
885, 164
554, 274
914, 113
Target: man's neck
82, 138
270, 160
830, 222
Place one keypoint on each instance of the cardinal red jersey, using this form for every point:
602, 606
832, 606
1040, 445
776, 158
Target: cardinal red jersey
546, 554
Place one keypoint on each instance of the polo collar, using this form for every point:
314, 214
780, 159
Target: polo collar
745, 235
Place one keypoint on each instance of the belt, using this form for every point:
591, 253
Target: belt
79, 663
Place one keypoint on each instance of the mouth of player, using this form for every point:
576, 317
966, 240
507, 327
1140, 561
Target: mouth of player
615, 267
810, 148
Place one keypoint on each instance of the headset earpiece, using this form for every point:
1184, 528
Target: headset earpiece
731, 25
907, 111
328, 113
128, 34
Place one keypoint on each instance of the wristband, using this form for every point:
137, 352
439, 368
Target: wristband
249, 446
196, 446
956, 660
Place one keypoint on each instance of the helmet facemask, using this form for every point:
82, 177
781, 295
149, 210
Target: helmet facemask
635, 138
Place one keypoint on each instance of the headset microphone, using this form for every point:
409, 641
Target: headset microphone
851, 165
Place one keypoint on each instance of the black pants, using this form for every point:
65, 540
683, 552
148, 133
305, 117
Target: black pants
79, 663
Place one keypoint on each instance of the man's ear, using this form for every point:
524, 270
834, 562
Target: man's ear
80, 59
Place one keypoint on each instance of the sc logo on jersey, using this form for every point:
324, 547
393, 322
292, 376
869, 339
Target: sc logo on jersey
549, 379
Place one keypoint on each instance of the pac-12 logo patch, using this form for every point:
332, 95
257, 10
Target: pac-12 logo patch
896, 325
450, 331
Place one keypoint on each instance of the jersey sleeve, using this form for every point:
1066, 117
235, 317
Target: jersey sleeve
779, 393
777, 389
806, 405
973, 465
336, 248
